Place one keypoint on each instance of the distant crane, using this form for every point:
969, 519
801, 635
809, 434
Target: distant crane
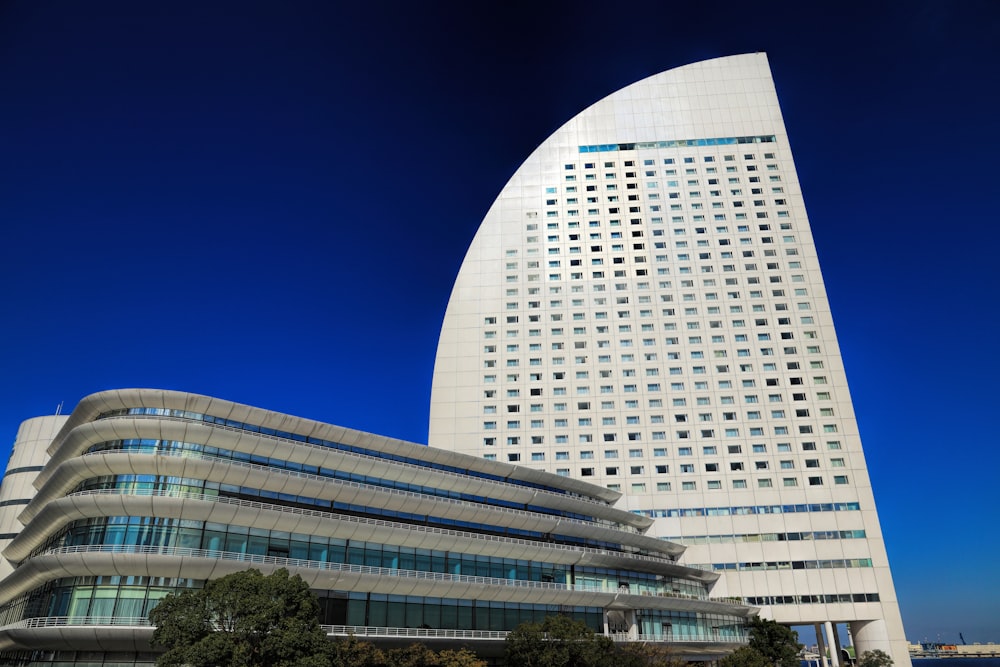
962, 638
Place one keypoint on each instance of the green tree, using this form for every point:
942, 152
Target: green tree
462, 657
777, 643
244, 619
647, 654
875, 658
414, 655
351, 652
745, 657
558, 641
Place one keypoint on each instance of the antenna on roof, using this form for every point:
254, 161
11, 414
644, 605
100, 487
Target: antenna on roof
59, 408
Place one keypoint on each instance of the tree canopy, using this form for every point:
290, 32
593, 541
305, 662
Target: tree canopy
875, 658
745, 657
558, 641
778, 644
244, 619
647, 654
351, 652
247, 619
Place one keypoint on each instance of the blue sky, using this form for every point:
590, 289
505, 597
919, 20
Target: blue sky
269, 202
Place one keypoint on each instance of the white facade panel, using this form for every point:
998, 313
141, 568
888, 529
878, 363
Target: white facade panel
27, 458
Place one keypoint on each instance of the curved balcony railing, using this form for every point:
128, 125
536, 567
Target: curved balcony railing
63, 621
479, 480
383, 489
363, 631
429, 633
349, 518
607, 588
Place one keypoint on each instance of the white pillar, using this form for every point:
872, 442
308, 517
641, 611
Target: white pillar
831, 640
871, 635
821, 645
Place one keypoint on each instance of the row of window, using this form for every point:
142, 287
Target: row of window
678, 216
835, 563
686, 468
675, 386
641, 299
636, 436
215, 537
742, 538
680, 143
829, 598
147, 485
314, 440
709, 485
707, 450
679, 418
192, 449
738, 204
642, 286
750, 399
721, 233
669, 326
750, 510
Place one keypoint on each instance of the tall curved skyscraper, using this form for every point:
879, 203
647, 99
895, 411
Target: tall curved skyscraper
643, 308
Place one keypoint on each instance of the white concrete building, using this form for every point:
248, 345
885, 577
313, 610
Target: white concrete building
643, 308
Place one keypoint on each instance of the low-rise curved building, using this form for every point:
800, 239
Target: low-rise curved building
140, 493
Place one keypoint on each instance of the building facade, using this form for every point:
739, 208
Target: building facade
141, 493
642, 308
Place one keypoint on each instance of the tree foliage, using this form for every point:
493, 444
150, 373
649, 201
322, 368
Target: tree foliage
646, 654
745, 657
244, 619
351, 652
875, 658
558, 641
414, 655
778, 644
459, 658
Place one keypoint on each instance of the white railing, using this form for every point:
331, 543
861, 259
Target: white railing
608, 588
356, 630
61, 621
429, 633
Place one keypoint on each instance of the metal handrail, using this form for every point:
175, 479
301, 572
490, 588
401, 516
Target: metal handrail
61, 621
427, 633
357, 630
611, 589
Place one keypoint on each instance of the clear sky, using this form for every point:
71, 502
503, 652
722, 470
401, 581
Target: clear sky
269, 202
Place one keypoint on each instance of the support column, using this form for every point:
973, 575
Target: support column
821, 645
633, 627
831, 639
836, 642
872, 635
